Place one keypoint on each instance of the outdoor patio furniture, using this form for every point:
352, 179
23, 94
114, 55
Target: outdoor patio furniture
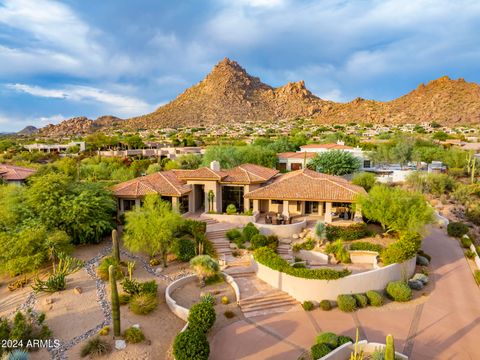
275, 221
268, 220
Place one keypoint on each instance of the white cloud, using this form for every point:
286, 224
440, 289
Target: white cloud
52, 119
121, 105
333, 95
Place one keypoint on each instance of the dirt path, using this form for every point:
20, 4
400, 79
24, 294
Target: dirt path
445, 326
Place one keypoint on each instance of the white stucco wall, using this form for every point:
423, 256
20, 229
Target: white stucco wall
313, 257
312, 289
343, 352
233, 219
282, 231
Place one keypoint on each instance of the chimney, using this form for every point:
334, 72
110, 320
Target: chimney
215, 165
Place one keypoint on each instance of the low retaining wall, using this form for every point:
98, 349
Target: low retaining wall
312, 289
343, 352
234, 219
181, 311
476, 258
364, 257
313, 257
282, 231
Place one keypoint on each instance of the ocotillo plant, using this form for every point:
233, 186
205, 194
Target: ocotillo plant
115, 246
390, 348
115, 301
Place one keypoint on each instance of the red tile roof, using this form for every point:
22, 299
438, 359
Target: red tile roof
296, 155
308, 185
248, 174
15, 173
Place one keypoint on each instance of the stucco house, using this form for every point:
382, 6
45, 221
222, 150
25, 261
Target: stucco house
249, 187
290, 161
15, 174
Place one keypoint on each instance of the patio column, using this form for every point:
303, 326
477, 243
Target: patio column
137, 202
175, 205
122, 206
328, 213
358, 214
285, 211
320, 208
256, 205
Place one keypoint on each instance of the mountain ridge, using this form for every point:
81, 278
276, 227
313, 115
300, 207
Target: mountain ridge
229, 94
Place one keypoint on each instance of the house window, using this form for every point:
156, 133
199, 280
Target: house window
282, 167
232, 195
128, 205
296, 166
299, 206
183, 203
277, 202
367, 164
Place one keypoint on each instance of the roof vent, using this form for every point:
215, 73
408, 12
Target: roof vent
215, 165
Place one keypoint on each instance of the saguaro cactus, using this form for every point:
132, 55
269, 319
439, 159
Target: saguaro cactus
390, 348
115, 246
115, 301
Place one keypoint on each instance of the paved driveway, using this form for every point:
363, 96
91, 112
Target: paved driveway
446, 326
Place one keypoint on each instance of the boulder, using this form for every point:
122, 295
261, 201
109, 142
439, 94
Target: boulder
415, 284
77, 290
295, 236
136, 326
422, 260
421, 277
158, 270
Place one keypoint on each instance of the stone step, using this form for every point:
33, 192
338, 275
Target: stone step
265, 306
273, 310
275, 295
241, 274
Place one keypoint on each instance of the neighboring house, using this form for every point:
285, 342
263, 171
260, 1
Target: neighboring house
15, 174
290, 161
162, 152
248, 187
56, 147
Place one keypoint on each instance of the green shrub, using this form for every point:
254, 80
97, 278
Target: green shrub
248, 231
473, 212
457, 229
191, 344
347, 233
184, 249
231, 209
399, 291
131, 286
154, 262
366, 246
469, 254
476, 275
466, 242
319, 350
124, 299
365, 180
233, 234
403, 249
477, 249
201, 316
337, 248
325, 305
133, 335
346, 303
327, 338
102, 270
149, 287
209, 298
205, 266
344, 339
104, 331
95, 347
307, 305
361, 299
272, 260
142, 304
306, 245
257, 241
374, 298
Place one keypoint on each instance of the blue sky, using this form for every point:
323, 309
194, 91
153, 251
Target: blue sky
125, 58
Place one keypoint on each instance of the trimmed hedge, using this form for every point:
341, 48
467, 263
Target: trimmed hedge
466, 242
399, 291
374, 298
248, 231
344, 339
361, 299
346, 303
319, 350
366, 246
352, 232
402, 250
308, 305
269, 258
201, 316
328, 338
191, 344
457, 229
325, 305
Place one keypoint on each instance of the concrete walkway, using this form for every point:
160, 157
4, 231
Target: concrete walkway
445, 326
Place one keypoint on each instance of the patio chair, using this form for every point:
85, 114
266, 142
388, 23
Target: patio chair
268, 220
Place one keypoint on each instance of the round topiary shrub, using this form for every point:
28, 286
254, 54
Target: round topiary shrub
466, 242
191, 344
231, 209
319, 350
361, 300
233, 234
184, 249
248, 231
327, 338
133, 335
201, 316
346, 303
143, 304
325, 305
258, 241
374, 298
457, 229
307, 305
399, 291
344, 339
